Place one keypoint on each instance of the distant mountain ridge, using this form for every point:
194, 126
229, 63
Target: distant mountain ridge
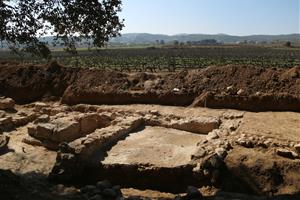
144, 38
147, 38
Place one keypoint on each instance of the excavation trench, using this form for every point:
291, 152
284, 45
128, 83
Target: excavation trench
137, 154
160, 147
152, 157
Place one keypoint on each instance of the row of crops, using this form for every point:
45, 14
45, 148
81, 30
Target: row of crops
178, 58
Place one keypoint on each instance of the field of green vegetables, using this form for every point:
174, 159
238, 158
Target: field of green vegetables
170, 59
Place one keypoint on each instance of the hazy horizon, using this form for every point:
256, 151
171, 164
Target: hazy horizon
208, 34
230, 17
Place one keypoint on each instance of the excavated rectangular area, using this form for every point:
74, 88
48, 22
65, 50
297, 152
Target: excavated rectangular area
155, 146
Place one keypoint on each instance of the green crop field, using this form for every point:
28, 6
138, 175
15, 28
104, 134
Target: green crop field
170, 58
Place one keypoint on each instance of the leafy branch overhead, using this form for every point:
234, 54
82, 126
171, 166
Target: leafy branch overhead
22, 22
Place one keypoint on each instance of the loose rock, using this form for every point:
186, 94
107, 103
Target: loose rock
199, 154
193, 193
213, 162
43, 131
221, 152
87, 188
231, 90
3, 142
148, 85
38, 106
286, 153
88, 123
6, 103
110, 193
154, 112
297, 147
240, 92
117, 189
103, 184
65, 130
2, 114
96, 197
245, 143
5, 120
197, 169
268, 142
42, 119
212, 135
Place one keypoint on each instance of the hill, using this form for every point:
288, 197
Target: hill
147, 38
142, 38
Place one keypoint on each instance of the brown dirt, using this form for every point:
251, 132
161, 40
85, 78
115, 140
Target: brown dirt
29, 83
264, 175
239, 87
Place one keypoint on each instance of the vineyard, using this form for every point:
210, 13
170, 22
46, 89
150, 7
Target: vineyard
171, 59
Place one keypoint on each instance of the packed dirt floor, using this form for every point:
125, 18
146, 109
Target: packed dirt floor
216, 133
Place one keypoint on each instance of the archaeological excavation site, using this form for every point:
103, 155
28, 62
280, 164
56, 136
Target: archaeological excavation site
230, 132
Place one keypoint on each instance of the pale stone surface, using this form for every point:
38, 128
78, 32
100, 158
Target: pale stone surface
201, 125
157, 146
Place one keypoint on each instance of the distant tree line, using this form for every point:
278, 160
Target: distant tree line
195, 43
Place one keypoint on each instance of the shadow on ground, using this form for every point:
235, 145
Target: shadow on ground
35, 186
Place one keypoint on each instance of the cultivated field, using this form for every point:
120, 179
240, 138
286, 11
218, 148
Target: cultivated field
173, 58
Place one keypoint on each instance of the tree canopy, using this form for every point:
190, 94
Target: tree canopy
22, 22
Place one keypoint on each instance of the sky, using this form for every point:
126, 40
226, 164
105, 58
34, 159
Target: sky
235, 17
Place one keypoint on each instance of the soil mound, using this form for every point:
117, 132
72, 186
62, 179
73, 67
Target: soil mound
32, 82
239, 87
